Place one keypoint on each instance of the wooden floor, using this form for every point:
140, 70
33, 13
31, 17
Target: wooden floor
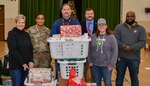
144, 74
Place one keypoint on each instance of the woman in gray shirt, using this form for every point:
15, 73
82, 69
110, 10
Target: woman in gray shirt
103, 53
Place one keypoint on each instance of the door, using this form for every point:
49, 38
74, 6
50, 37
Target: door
1, 22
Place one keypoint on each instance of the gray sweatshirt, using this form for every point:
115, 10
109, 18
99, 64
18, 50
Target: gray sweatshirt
107, 54
134, 37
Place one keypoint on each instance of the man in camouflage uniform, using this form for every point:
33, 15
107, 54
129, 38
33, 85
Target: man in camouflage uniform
39, 35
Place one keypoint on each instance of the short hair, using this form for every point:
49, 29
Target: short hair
20, 16
39, 14
131, 12
65, 4
89, 9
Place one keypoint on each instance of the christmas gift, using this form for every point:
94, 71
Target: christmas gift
70, 31
40, 75
75, 80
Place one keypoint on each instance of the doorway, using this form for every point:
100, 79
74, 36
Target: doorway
1, 22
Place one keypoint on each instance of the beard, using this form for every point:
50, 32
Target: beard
130, 22
90, 18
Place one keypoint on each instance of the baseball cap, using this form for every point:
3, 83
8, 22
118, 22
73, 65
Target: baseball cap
101, 21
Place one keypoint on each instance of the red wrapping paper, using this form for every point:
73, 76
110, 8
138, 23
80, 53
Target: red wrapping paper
70, 31
71, 82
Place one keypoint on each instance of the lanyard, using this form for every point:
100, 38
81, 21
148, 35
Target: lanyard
100, 42
67, 22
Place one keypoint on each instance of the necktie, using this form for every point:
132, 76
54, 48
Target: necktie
66, 22
89, 30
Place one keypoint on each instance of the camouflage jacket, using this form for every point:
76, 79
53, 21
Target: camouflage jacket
39, 38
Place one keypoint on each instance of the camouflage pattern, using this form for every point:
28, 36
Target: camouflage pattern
41, 49
41, 60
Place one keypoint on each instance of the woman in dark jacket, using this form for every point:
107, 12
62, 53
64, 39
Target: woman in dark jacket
20, 52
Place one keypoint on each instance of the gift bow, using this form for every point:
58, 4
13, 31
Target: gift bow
75, 80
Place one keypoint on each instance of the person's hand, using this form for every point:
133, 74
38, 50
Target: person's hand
90, 64
127, 49
25, 67
109, 68
31, 65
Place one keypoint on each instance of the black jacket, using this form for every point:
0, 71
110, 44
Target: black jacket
20, 48
84, 30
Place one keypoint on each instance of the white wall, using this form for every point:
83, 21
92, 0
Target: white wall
11, 10
138, 6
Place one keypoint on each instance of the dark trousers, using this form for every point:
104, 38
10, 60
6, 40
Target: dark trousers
18, 77
57, 69
133, 66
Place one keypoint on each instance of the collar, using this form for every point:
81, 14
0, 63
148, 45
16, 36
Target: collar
131, 26
17, 30
39, 27
66, 19
90, 21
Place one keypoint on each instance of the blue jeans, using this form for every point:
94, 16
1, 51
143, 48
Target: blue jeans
57, 68
18, 77
102, 72
133, 66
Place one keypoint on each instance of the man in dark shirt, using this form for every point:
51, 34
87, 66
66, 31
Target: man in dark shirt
65, 20
88, 26
131, 38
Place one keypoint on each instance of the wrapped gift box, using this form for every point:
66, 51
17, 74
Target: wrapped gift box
40, 75
70, 31
6, 81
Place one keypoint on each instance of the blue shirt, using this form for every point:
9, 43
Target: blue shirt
91, 25
62, 21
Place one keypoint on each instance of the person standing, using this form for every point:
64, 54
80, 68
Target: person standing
39, 34
88, 26
65, 20
103, 51
131, 38
20, 52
